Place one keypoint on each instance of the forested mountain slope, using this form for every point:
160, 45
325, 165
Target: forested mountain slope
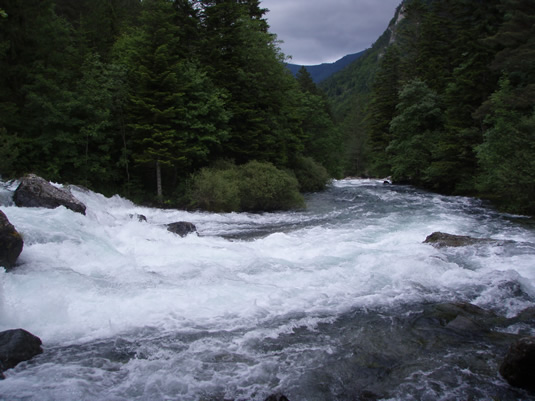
445, 100
320, 72
136, 97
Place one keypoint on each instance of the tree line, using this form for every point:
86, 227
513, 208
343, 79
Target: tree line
137, 96
445, 100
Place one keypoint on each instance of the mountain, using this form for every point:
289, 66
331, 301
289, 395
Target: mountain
323, 71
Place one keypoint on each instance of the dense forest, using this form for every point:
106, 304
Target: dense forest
188, 102
445, 100
137, 97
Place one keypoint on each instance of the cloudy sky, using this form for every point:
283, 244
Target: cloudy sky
323, 31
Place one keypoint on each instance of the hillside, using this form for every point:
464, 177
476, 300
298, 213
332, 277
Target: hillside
323, 71
444, 101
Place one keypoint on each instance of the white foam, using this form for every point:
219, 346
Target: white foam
86, 277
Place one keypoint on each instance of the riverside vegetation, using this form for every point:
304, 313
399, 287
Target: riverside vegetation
150, 99
444, 100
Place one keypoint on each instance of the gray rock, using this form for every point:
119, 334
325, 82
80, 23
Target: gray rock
518, 367
35, 191
440, 240
465, 325
11, 243
17, 346
182, 228
139, 217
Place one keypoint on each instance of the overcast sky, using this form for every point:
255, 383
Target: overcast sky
323, 31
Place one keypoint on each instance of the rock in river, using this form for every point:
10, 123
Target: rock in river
518, 367
182, 228
440, 240
35, 191
17, 346
11, 243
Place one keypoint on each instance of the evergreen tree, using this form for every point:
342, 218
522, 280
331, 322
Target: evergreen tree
507, 157
320, 136
507, 170
176, 115
382, 108
414, 130
40, 67
244, 60
305, 81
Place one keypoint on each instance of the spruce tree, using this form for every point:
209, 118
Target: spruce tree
245, 61
414, 129
176, 115
382, 108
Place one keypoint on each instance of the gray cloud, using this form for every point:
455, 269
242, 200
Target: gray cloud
317, 31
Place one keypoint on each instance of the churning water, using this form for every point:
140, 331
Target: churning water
341, 301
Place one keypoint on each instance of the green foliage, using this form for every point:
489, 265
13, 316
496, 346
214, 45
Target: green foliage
320, 136
266, 188
244, 60
312, 176
176, 114
414, 130
507, 156
382, 108
254, 186
216, 189
9, 151
462, 130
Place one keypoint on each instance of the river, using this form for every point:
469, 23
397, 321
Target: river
341, 301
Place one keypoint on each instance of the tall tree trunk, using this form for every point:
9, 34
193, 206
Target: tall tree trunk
159, 192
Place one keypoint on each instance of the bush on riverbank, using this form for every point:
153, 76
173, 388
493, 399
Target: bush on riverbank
311, 175
255, 186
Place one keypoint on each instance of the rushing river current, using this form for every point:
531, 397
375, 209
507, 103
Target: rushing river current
341, 301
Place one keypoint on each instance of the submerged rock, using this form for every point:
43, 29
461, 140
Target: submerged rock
518, 367
182, 228
35, 191
440, 240
461, 319
17, 346
277, 397
139, 217
11, 243
464, 324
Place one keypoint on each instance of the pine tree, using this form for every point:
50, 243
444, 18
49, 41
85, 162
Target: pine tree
382, 108
507, 156
507, 170
176, 114
320, 136
414, 130
244, 60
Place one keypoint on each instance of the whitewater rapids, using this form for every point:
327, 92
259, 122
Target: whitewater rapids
317, 304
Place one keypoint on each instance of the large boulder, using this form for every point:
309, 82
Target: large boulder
17, 346
11, 243
182, 228
35, 191
518, 367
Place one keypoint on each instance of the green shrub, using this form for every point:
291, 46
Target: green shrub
254, 187
264, 187
216, 190
311, 175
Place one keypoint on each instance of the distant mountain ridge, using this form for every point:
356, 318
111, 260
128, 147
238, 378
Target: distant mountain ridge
323, 71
